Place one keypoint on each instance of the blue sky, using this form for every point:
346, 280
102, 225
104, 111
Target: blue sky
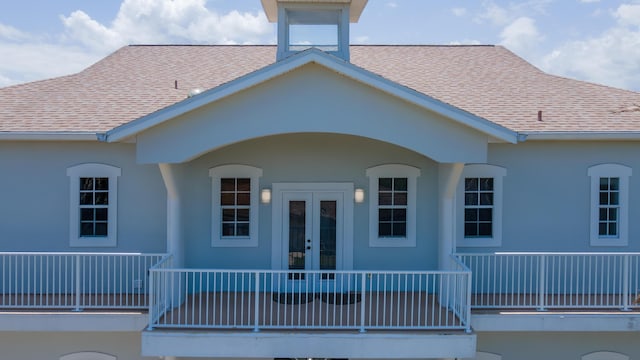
593, 40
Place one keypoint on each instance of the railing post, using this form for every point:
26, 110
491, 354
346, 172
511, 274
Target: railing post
256, 299
542, 294
625, 284
468, 312
151, 295
363, 297
78, 284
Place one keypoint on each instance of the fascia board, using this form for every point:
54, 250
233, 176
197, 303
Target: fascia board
329, 61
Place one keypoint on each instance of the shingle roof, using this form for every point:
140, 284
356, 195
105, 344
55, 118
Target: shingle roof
488, 81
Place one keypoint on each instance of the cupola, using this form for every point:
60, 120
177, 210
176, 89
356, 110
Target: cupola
321, 24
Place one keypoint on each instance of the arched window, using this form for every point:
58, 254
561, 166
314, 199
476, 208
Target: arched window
605, 355
88, 355
94, 205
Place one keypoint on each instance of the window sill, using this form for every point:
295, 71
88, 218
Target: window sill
479, 242
392, 242
237, 242
93, 242
609, 242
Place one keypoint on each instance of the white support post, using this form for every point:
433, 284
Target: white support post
174, 223
449, 176
625, 284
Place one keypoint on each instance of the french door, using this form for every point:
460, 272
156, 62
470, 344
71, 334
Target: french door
312, 226
312, 229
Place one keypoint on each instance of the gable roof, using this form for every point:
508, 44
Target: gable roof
489, 82
295, 62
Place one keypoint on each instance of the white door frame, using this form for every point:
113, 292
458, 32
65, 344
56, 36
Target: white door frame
279, 246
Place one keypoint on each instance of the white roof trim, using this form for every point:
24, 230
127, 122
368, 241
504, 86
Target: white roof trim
306, 57
581, 135
48, 136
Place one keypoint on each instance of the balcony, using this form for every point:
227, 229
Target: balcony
285, 313
74, 291
546, 291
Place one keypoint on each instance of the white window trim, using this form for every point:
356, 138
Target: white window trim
623, 173
234, 171
93, 170
481, 171
393, 171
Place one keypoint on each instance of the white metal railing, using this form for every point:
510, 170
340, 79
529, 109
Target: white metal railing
272, 299
545, 280
56, 280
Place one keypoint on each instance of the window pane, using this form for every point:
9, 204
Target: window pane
604, 198
399, 215
102, 198
485, 214
604, 183
613, 214
228, 229
244, 199
470, 229
614, 183
384, 214
86, 198
385, 198
602, 229
86, 215
102, 184
101, 214
86, 229
86, 183
486, 198
101, 229
471, 184
486, 184
471, 198
400, 184
400, 198
471, 215
614, 198
384, 229
603, 214
243, 229
400, 229
244, 185
227, 199
227, 184
484, 229
243, 214
385, 184
228, 215
613, 229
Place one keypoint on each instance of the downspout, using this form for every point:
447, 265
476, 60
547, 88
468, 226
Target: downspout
448, 178
175, 245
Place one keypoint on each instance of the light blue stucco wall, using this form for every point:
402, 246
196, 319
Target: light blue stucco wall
547, 193
309, 158
34, 206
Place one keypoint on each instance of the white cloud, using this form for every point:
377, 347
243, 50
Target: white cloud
612, 58
392, 4
27, 57
521, 36
493, 13
361, 39
459, 11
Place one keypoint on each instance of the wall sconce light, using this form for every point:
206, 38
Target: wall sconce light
265, 196
359, 195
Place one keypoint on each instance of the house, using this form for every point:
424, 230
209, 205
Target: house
318, 201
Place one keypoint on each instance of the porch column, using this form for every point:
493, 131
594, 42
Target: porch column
448, 177
175, 244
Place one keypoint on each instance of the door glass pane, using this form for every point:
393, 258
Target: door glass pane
328, 235
297, 218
